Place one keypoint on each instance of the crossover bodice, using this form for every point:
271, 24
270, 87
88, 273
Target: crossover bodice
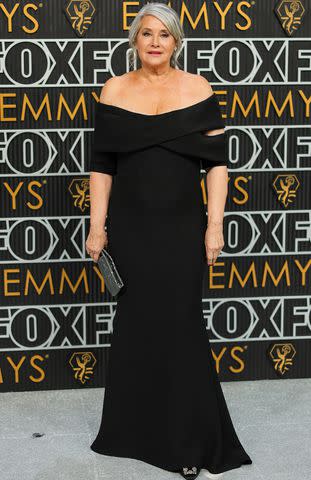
118, 130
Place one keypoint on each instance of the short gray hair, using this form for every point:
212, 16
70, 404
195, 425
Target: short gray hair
168, 16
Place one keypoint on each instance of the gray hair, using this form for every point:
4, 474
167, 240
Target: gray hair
168, 16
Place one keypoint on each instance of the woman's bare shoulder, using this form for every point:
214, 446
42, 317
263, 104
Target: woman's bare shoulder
110, 90
193, 87
201, 85
115, 87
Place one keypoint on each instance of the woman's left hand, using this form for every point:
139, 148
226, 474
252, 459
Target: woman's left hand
214, 241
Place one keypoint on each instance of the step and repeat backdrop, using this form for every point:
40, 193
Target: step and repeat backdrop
56, 317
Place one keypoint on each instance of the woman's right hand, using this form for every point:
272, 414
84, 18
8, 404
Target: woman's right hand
95, 242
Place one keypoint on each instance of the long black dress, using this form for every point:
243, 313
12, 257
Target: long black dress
163, 401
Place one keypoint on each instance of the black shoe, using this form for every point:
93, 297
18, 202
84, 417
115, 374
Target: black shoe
190, 473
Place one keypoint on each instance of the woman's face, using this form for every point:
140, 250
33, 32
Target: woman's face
154, 43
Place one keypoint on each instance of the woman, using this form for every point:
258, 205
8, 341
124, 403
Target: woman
154, 129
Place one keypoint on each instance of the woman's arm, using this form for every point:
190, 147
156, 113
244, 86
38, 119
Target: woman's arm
100, 189
101, 172
217, 191
217, 188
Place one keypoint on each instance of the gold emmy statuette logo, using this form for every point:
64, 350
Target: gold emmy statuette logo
286, 186
80, 14
282, 355
79, 189
83, 364
289, 14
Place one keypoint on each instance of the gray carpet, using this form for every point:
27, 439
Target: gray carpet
272, 419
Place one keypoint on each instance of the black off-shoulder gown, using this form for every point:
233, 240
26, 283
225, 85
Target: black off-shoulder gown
163, 400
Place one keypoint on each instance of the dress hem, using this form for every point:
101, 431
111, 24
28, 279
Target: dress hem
175, 469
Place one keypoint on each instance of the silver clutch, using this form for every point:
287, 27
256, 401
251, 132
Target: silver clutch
110, 273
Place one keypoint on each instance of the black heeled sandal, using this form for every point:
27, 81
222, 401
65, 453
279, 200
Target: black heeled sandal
190, 473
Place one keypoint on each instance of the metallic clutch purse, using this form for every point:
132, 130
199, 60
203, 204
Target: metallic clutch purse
110, 273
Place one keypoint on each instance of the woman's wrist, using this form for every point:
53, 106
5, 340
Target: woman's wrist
215, 222
97, 229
